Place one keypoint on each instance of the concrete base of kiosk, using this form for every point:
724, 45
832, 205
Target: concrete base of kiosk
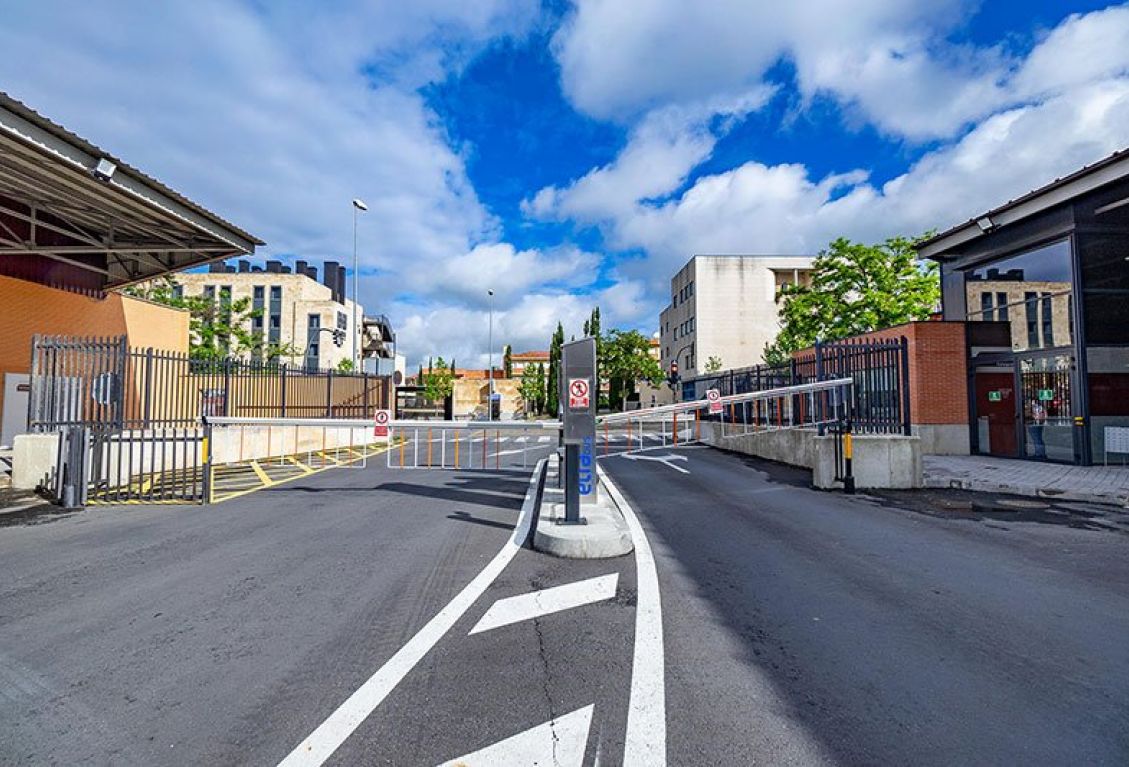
603, 535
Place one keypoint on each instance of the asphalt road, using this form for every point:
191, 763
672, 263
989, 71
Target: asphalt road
800, 627
806, 627
226, 634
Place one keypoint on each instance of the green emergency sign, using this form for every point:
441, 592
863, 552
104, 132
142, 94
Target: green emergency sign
1046, 395
995, 396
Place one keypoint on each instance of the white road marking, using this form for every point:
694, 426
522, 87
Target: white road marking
330, 734
645, 741
523, 607
560, 742
663, 459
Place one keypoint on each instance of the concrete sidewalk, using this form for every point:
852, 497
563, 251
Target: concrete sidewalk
1095, 484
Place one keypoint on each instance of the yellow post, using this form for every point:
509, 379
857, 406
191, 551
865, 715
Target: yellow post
848, 446
456, 449
402, 441
697, 425
675, 429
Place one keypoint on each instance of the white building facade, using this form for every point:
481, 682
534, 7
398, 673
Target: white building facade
725, 307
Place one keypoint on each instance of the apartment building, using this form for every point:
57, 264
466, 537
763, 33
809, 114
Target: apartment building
298, 312
725, 307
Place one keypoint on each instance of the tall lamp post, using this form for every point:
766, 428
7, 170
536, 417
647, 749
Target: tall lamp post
358, 205
490, 403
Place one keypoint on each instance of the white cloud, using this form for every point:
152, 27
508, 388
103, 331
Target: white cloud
781, 209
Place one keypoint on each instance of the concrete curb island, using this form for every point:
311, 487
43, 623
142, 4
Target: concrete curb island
605, 535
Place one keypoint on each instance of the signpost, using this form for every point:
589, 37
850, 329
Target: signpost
714, 398
578, 369
380, 423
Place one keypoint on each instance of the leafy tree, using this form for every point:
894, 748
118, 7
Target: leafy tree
541, 388
626, 360
419, 375
855, 288
531, 389
552, 388
439, 381
217, 329
507, 362
713, 364
345, 366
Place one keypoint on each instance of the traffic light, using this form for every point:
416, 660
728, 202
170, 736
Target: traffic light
338, 337
673, 372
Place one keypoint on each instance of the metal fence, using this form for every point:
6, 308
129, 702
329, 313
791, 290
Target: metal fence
103, 382
879, 370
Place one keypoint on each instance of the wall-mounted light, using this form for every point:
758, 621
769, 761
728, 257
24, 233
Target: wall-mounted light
985, 223
104, 170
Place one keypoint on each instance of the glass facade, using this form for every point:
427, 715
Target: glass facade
1031, 292
1104, 265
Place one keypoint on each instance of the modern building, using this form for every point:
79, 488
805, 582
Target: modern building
299, 314
1043, 282
725, 307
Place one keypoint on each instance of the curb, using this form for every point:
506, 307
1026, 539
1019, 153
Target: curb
979, 486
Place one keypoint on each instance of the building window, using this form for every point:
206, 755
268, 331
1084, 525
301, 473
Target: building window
210, 292
274, 326
1048, 321
313, 338
1032, 320
178, 291
342, 321
1001, 307
986, 305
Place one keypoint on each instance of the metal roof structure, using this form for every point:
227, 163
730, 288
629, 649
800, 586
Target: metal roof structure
74, 217
1106, 171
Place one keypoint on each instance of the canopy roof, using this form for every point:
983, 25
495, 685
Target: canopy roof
75, 217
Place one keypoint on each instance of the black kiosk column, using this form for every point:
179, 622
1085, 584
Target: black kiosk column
581, 393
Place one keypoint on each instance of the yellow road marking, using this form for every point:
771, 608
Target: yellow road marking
299, 464
267, 481
290, 479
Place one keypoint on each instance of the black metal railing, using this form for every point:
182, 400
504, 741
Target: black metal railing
103, 382
879, 368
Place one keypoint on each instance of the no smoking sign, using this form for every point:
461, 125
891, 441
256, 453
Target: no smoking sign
380, 423
579, 394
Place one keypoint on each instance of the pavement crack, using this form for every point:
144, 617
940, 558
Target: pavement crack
546, 684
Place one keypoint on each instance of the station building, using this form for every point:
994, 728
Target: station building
1043, 285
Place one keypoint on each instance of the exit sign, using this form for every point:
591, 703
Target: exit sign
995, 396
1046, 395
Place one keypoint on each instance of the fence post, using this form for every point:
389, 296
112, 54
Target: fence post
226, 386
329, 393
364, 383
819, 377
118, 394
282, 386
906, 422
148, 386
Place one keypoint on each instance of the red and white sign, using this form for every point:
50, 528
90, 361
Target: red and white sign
579, 396
380, 423
714, 398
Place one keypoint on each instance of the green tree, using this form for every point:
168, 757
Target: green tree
540, 388
345, 366
552, 388
217, 329
626, 360
532, 389
439, 381
713, 364
855, 288
507, 362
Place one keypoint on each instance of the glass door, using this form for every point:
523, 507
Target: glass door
1046, 386
996, 409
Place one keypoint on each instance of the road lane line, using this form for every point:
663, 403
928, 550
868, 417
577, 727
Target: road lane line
560, 742
330, 734
645, 741
523, 607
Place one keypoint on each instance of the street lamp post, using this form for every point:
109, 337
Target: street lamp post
358, 205
490, 403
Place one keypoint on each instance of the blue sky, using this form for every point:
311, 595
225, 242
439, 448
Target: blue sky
573, 153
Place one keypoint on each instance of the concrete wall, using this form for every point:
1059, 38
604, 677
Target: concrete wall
880, 461
231, 444
33, 459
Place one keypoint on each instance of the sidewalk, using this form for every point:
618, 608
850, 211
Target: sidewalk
1095, 484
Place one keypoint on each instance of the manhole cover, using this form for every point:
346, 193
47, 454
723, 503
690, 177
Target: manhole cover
1014, 503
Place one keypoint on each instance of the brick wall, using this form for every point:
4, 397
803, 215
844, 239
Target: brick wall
938, 369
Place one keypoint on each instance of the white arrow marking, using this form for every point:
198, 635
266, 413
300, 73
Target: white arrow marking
546, 601
663, 459
560, 742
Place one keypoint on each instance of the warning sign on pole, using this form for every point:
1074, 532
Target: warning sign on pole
380, 423
714, 398
579, 394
